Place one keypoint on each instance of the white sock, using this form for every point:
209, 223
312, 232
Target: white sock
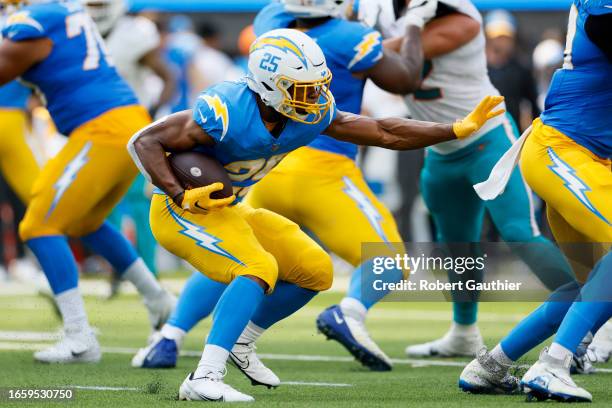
213, 359
351, 307
559, 352
72, 308
464, 329
173, 333
250, 334
139, 274
498, 355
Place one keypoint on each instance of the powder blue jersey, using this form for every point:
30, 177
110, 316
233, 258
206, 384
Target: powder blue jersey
77, 79
579, 100
14, 96
228, 113
349, 47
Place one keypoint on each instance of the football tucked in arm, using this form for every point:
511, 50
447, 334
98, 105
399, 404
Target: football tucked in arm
196, 169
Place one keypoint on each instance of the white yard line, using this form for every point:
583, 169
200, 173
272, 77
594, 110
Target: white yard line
29, 336
4, 345
101, 388
315, 384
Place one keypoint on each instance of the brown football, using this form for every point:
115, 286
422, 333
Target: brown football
196, 169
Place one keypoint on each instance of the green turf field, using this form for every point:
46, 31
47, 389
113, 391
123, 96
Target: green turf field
123, 326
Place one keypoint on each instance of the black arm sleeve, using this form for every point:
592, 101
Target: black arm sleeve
599, 30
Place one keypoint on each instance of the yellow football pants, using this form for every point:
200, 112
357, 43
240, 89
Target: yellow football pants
240, 240
79, 187
576, 185
17, 162
326, 193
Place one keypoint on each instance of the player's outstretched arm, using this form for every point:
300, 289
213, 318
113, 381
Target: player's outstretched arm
16, 57
174, 133
405, 134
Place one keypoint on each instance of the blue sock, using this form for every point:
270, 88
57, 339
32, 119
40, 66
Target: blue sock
595, 305
286, 299
113, 246
197, 301
235, 308
57, 261
362, 284
541, 323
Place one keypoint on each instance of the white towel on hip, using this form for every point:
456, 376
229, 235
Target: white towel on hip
492, 187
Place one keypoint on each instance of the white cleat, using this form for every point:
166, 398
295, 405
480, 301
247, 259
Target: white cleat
452, 344
74, 347
210, 387
160, 309
601, 347
550, 378
485, 375
245, 359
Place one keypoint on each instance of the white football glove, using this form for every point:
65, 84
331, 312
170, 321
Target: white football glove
420, 12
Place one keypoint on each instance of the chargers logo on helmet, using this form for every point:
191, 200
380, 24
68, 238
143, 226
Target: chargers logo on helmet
287, 69
282, 43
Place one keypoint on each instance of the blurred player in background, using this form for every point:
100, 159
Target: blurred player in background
454, 77
326, 176
249, 126
210, 65
135, 45
508, 73
181, 44
566, 160
55, 46
547, 58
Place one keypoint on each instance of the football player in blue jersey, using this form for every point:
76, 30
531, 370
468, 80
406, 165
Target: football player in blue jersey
566, 160
284, 103
55, 46
327, 176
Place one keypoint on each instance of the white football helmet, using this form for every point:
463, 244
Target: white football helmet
105, 13
317, 8
287, 69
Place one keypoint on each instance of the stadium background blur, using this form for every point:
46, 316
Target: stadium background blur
204, 42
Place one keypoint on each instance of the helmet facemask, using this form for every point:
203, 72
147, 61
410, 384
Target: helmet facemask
305, 101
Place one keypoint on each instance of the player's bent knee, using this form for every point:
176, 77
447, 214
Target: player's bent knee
264, 268
34, 227
316, 270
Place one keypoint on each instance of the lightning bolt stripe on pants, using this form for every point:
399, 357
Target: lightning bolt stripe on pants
201, 238
573, 183
69, 175
366, 207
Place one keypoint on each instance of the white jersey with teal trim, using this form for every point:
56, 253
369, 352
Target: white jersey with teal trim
132, 38
454, 84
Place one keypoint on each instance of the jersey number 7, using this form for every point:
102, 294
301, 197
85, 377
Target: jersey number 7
78, 24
